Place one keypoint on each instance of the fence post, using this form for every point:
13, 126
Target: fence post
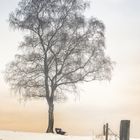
106, 132
125, 130
104, 127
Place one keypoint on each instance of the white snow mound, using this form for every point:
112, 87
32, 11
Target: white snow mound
13, 135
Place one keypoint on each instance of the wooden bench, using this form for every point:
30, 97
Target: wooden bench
60, 131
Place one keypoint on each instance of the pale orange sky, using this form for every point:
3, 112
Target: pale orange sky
99, 102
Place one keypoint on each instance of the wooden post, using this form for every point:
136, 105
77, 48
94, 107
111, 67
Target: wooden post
104, 127
125, 130
106, 132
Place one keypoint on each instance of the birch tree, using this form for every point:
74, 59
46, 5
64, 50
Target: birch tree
60, 48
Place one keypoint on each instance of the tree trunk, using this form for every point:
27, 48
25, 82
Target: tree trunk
50, 118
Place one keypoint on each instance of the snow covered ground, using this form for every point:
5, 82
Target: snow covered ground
12, 135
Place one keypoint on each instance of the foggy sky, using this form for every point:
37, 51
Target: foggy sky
100, 102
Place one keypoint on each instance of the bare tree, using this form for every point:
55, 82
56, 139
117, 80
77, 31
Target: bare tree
61, 48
